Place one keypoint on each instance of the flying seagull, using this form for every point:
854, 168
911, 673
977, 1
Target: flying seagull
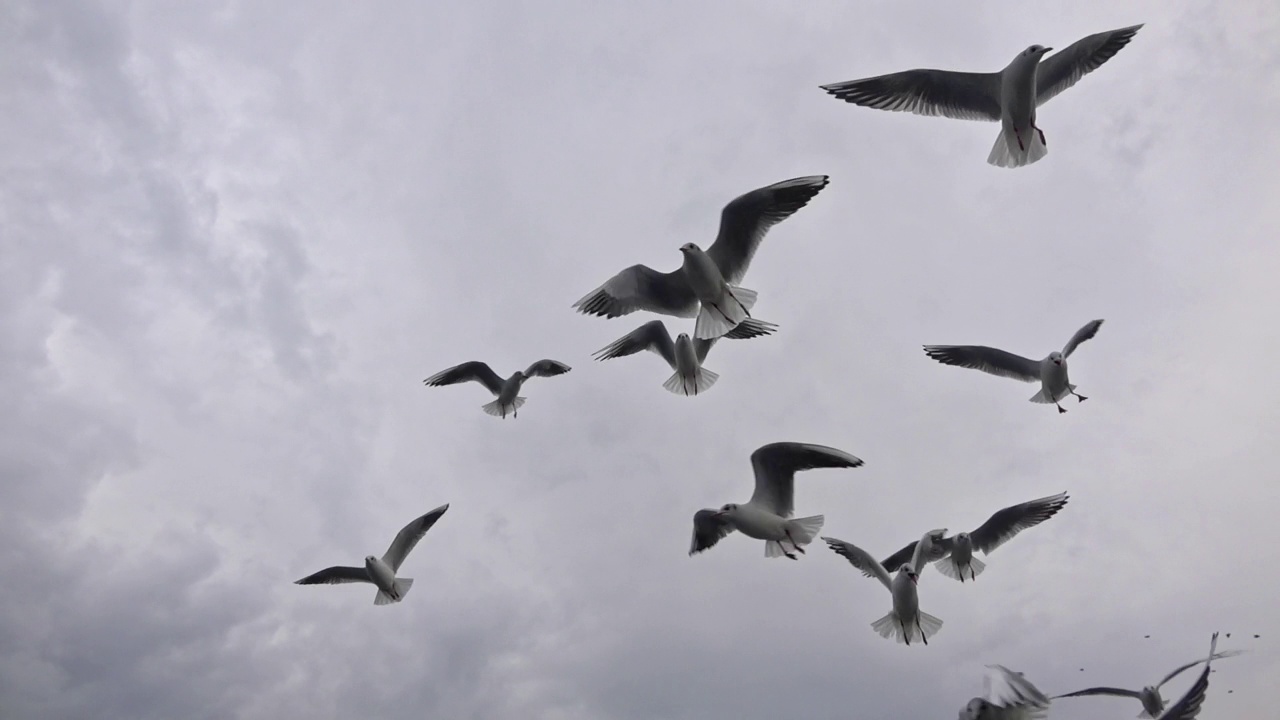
705, 285
685, 356
506, 390
1050, 372
767, 515
1010, 696
953, 556
382, 571
1152, 703
1009, 96
906, 621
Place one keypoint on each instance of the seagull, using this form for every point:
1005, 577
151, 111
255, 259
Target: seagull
506, 390
705, 285
685, 356
1050, 372
1152, 703
1009, 97
1010, 696
382, 571
953, 556
766, 516
906, 619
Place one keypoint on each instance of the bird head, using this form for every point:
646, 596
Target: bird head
911, 574
1036, 51
1055, 357
728, 509
689, 247
964, 536
973, 711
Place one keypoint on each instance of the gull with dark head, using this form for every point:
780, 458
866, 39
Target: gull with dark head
1009, 696
1051, 372
508, 390
706, 284
381, 572
1009, 97
684, 355
906, 621
767, 515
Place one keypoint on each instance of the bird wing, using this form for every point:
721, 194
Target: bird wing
775, 467
708, 529
987, 359
1010, 690
409, 536
745, 330
745, 221
926, 550
1004, 524
547, 368
860, 559
640, 287
336, 575
1084, 333
1175, 673
939, 550
1188, 706
652, 336
474, 370
959, 95
1117, 692
1065, 67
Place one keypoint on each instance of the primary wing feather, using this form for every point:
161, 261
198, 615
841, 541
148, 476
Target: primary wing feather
1084, 333
1065, 68
335, 575
708, 529
1002, 526
775, 467
987, 359
652, 336
467, 371
860, 559
746, 220
640, 287
409, 536
959, 95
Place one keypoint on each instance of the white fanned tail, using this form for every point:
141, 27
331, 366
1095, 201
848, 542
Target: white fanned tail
1043, 395
947, 567
497, 410
699, 383
804, 530
889, 627
717, 319
402, 586
1006, 153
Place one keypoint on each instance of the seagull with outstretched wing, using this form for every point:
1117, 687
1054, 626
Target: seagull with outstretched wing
1009, 696
507, 390
685, 355
906, 621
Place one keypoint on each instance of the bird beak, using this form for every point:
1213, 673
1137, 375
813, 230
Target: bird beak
915, 579
1045, 50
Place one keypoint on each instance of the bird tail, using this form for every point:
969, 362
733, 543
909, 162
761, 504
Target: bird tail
714, 320
497, 409
1006, 153
402, 586
888, 627
948, 567
929, 624
804, 530
1044, 397
701, 382
1144, 714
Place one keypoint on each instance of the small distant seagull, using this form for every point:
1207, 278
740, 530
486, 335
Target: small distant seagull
1153, 704
954, 555
1010, 696
382, 571
906, 621
1009, 97
685, 356
767, 515
1050, 372
706, 283
506, 390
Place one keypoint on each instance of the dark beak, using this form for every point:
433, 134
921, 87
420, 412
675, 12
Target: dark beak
1045, 50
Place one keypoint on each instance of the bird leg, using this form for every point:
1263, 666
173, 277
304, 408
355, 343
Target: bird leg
922, 635
1079, 397
1060, 408
794, 545
744, 307
1042, 140
1018, 134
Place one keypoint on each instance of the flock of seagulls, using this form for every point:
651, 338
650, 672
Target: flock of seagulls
707, 287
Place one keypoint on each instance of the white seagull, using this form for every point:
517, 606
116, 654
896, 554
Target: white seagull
767, 515
506, 390
684, 355
953, 556
1010, 696
1051, 372
1152, 703
382, 571
1009, 97
705, 285
906, 620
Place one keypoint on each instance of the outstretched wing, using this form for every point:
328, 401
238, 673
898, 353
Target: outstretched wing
987, 359
745, 330
1004, 524
708, 529
1188, 706
335, 575
775, 467
546, 368
938, 550
1176, 673
640, 287
652, 336
409, 536
1116, 692
860, 559
1010, 690
467, 371
1065, 68
1084, 333
745, 221
927, 549
959, 95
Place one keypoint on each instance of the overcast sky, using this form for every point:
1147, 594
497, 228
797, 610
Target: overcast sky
236, 236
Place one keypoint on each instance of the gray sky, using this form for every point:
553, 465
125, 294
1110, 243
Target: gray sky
236, 236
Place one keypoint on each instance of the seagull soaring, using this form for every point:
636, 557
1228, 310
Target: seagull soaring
906, 621
705, 285
382, 571
1009, 97
1051, 372
684, 355
767, 515
1010, 696
506, 390
1152, 703
953, 556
